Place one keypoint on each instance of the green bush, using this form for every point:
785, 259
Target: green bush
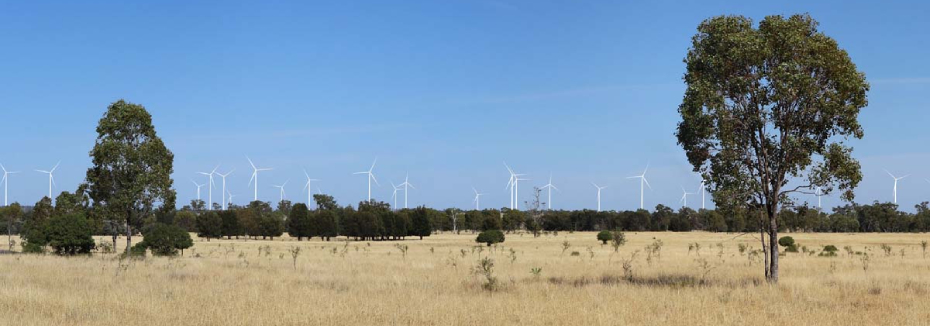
786, 241
604, 236
791, 248
138, 250
166, 240
829, 251
33, 248
490, 237
70, 234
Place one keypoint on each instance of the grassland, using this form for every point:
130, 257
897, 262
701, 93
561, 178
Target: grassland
234, 282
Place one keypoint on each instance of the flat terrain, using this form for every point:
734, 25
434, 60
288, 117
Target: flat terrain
234, 282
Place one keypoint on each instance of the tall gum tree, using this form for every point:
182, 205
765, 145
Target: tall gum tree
131, 173
767, 113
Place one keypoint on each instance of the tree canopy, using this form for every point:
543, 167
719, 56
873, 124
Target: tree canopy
766, 114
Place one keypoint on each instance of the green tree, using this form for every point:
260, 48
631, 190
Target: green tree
419, 220
11, 215
766, 106
187, 220
210, 225
490, 237
299, 223
70, 234
166, 240
34, 229
132, 168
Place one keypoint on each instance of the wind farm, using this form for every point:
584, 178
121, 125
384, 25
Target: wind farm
674, 163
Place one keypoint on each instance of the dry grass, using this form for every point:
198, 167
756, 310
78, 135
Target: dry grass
361, 283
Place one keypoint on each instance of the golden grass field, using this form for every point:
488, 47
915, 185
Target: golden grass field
229, 282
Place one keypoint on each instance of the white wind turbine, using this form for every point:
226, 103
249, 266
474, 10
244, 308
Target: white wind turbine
514, 185
394, 195
371, 176
703, 191
684, 196
896, 179
51, 178
224, 186
6, 183
309, 190
198, 188
599, 188
254, 178
549, 186
818, 192
643, 183
210, 186
406, 184
281, 187
477, 200
229, 201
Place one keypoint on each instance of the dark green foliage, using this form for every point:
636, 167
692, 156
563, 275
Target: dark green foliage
166, 240
604, 236
272, 225
210, 225
490, 237
131, 169
829, 251
786, 241
299, 222
420, 223
230, 223
36, 224
70, 234
187, 220
326, 223
138, 250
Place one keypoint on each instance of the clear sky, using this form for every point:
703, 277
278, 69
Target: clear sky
447, 90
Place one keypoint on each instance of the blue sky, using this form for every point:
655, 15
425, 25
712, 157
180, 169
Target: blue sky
447, 90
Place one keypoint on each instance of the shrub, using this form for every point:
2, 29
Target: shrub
829, 251
70, 234
166, 240
792, 248
138, 250
786, 241
604, 236
32, 248
490, 237
618, 239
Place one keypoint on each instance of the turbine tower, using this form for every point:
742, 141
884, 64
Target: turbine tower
254, 178
896, 179
309, 190
643, 183
198, 188
6, 183
406, 184
394, 195
371, 176
210, 186
703, 191
599, 188
684, 196
514, 186
477, 200
230, 197
281, 187
51, 179
225, 207
549, 186
818, 192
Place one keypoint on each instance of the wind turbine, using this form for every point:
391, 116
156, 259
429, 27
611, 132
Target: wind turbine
510, 183
896, 179
406, 184
255, 171
371, 176
224, 186
51, 178
307, 186
684, 196
514, 185
281, 187
477, 200
703, 191
230, 197
394, 195
643, 183
599, 188
210, 187
549, 186
6, 183
818, 192
198, 188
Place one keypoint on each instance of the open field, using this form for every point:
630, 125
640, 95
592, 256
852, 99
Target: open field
232, 282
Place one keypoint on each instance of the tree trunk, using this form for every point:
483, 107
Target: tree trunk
773, 244
128, 235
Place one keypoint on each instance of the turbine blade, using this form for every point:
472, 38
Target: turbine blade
372, 175
250, 163
647, 183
